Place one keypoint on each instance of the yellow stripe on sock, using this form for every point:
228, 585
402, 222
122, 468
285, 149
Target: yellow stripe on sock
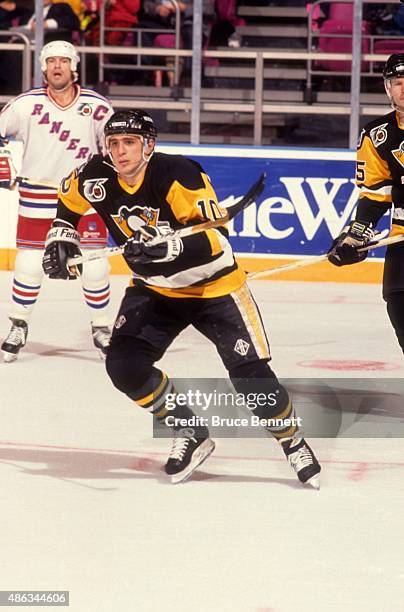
151, 398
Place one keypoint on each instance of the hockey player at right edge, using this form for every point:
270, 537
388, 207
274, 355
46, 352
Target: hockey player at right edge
380, 175
144, 197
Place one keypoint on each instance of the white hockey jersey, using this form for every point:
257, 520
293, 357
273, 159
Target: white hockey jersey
55, 140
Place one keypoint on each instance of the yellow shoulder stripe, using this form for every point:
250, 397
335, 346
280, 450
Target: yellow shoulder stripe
71, 197
192, 204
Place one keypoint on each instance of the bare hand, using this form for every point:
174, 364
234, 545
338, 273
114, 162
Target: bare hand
163, 11
7, 5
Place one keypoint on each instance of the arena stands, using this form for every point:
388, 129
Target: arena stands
255, 65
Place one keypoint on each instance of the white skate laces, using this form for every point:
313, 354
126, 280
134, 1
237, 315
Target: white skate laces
187, 453
101, 339
16, 336
302, 460
15, 340
179, 448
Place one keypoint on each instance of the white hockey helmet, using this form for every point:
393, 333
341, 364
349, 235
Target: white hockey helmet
59, 48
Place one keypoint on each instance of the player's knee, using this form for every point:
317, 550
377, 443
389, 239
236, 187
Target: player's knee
262, 391
126, 366
95, 271
28, 265
126, 375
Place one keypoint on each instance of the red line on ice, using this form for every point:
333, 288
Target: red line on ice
214, 456
358, 471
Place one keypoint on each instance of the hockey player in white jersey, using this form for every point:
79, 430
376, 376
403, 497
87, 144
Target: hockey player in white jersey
61, 127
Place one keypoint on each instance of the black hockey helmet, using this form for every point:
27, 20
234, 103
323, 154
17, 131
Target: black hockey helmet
135, 121
394, 67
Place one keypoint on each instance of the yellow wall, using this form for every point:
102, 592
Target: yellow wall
7, 259
366, 272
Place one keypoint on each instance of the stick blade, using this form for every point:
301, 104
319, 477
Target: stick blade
250, 197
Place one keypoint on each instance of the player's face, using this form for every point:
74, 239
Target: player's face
126, 151
58, 72
395, 90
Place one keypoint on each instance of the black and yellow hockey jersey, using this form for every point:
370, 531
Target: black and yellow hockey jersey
380, 171
175, 192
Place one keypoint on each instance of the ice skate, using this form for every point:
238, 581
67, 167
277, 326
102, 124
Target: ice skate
101, 339
302, 460
15, 340
187, 454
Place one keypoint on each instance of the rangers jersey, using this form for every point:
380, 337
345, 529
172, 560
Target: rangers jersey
380, 171
55, 140
174, 192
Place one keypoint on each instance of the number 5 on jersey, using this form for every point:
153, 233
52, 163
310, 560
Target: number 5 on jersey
360, 171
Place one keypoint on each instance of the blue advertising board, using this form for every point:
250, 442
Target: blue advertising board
310, 195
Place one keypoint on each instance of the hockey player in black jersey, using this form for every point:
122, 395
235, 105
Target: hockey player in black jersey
144, 197
380, 176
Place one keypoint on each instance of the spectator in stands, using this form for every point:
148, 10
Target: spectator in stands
223, 32
390, 19
78, 6
59, 21
120, 14
161, 15
399, 19
90, 22
381, 17
90, 35
11, 13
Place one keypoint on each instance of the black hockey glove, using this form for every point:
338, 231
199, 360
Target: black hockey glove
344, 249
7, 170
62, 243
163, 246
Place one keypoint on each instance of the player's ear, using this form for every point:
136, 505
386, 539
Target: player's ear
149, 144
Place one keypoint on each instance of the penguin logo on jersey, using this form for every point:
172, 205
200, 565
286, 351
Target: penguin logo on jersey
399, 154
379, 135
129, 220
85, 110
94, 190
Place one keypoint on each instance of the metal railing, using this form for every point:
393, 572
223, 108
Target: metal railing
25, 48
257, 107
137, 31
314, 34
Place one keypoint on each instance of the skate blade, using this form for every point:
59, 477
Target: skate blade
9, 357
313, 482
201, 454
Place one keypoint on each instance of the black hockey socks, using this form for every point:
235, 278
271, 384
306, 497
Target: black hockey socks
158, 396
266, 398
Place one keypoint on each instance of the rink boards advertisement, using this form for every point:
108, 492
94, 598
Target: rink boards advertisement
309, 197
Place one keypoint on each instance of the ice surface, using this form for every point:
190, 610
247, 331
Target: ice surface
85, 506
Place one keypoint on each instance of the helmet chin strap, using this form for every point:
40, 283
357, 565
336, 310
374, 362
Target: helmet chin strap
140, 166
